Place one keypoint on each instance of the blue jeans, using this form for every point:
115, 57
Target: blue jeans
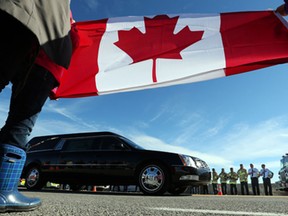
25, 105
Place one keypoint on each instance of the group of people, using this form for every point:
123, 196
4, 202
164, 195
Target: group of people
242, 174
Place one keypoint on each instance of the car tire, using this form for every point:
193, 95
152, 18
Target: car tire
153, 179
34, 179
177, 190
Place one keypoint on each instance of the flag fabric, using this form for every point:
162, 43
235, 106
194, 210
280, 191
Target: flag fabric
134, 53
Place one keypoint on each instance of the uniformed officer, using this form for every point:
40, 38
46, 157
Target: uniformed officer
223, 180
254, 174
214, 181
267, 175
243, 176
233, 177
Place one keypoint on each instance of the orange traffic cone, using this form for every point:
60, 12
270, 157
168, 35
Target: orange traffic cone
219, 189
94, 189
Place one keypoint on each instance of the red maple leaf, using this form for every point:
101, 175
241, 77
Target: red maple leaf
158, 41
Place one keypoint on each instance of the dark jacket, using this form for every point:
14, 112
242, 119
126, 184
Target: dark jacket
49, 20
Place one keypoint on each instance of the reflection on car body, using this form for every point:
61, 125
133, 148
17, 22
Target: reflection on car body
105, 158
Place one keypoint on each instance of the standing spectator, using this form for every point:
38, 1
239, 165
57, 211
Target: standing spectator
254, 174
267, 175
214, 181
243, 176
28, 26
233, 177
223, 180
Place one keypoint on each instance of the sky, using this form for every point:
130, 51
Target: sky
224, 121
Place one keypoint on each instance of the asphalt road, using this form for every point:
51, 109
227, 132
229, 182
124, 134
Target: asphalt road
64, 203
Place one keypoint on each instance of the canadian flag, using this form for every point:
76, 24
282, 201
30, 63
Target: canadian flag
133, 53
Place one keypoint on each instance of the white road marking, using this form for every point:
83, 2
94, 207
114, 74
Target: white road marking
220, 212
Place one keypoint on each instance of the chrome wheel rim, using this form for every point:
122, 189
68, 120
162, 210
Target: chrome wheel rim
152, 178
33, 177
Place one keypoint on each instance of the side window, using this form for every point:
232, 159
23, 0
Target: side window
96, 143
112, 143
44, 145
79, 144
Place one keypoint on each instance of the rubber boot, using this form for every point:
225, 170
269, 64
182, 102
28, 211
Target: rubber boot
12, 160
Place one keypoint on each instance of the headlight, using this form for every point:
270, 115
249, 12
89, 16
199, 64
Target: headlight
198, 163
187, 161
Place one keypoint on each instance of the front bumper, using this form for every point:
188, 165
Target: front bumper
185, 176
189, 178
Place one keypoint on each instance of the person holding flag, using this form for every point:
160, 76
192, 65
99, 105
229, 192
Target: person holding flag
40, 25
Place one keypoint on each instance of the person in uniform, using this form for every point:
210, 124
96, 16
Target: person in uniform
233, 177
243, 177
214, 181
223, 180
254, 174
266, 175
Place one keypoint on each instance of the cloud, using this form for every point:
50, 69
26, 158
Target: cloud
159, 114
69, 112
153, 143
58, 119
223, 144
197, 129
233, 141
265, 139
48, 126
